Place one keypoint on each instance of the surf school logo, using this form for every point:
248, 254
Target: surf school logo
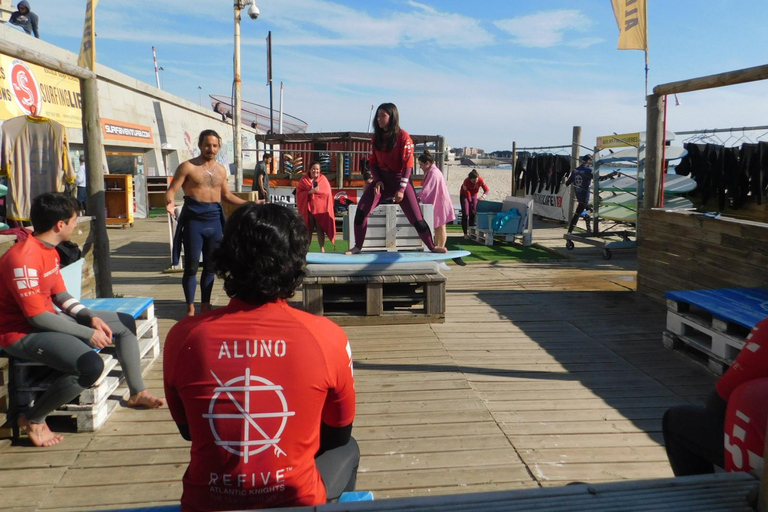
26, 92
257, 405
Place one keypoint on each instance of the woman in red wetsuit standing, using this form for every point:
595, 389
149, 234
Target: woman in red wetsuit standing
391, 163
468, 197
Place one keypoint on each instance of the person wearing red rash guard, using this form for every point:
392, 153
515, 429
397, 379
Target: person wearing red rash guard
391, 163
729, 432
469, 198
263, 390
30, 327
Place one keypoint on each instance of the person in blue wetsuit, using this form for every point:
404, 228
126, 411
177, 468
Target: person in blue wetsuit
581, 177
201, 222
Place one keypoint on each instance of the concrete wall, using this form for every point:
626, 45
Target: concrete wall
175, 122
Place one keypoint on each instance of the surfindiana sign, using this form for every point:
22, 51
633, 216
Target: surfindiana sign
28, 89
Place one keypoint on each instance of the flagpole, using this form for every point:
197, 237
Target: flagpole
646, 71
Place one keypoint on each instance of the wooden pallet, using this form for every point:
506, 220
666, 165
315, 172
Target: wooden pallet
90, 417
718, 341
376, 294
94, 405
389, 229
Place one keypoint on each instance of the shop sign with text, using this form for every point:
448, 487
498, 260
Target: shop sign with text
119, 130
29, 89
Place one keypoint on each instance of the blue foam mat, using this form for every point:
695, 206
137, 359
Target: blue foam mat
742, 306
133, 306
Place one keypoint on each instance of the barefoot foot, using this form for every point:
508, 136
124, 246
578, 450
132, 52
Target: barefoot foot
38, 433
353, 250
190, 310
145, 399
206, 306
440, 250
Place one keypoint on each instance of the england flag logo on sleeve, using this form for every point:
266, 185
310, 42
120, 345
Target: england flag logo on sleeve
25, 278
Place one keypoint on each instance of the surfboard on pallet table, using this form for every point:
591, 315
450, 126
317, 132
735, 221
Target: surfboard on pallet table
631, 154
673, 184
383, 257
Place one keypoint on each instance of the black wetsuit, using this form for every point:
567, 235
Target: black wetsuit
200, 229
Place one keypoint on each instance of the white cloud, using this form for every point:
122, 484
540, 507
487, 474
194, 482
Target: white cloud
544, 29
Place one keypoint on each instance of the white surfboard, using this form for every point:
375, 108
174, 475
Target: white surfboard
673, 184
631, 154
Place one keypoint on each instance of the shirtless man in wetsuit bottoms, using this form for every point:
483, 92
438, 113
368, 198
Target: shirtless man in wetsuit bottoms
200, 224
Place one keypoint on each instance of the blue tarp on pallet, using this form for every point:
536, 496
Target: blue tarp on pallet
742, 306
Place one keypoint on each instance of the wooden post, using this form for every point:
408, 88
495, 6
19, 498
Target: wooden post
740, 76
96, 203
513, 191
440, 160
575, 153
340, 170
654, 134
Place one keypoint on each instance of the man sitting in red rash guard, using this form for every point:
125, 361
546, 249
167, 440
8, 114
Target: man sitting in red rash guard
264, 391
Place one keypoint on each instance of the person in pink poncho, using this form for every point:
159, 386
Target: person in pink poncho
434, 191
314, 198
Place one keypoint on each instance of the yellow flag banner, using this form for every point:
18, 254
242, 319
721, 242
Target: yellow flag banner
87, 57
631, 19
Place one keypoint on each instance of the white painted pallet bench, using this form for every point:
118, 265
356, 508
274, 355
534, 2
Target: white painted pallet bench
94, 405
714, 323
389, 229
518, 228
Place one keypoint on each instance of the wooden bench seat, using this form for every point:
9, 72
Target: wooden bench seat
358, 294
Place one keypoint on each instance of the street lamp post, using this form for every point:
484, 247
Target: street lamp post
253, 12
200, 91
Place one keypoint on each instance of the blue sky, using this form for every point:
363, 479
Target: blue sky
482, 73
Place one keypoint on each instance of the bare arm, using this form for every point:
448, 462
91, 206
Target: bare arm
228, 196
260, 184
178, 180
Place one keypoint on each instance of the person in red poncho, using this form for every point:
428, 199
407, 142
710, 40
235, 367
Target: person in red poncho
315, 201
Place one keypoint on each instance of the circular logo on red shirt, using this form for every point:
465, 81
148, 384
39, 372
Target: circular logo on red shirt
25, 88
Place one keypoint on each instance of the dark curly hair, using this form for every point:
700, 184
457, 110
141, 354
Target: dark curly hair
262, 253
49, 208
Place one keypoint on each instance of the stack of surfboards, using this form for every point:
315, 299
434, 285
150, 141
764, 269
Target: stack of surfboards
618, 196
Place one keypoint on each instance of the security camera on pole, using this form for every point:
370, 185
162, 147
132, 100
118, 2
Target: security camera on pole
253, 13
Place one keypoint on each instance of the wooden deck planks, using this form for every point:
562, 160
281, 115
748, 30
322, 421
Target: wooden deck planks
542, 374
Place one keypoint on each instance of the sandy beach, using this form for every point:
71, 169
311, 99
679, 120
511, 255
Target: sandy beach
499, 180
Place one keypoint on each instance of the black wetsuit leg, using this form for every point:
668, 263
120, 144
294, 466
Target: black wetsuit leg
580, 207
693, 438
338, 469
80, 364
202, 235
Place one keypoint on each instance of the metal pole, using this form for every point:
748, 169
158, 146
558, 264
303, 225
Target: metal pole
236, 121
280, 124
269, 79
157, 74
